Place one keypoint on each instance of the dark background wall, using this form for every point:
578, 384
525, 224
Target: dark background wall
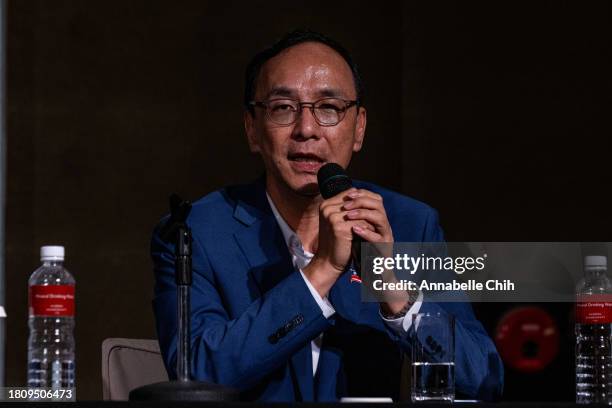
495, 114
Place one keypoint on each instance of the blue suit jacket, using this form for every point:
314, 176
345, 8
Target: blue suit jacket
253, 316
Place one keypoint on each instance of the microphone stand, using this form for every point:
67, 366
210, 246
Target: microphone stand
184, 388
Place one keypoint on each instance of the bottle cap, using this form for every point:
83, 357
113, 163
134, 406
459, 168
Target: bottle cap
595, 261
52, 253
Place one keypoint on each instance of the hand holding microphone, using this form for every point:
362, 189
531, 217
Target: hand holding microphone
346, 217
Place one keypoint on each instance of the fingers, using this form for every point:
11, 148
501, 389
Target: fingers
339, 223
374, 217
368, 206
367, 234
364, 202
358, 193
363, 225
334, 205
363, 206
339, 198
355, 198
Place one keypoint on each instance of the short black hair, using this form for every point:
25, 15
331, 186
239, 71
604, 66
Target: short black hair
289, 40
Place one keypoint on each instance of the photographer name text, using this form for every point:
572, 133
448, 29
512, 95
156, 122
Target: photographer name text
505, 285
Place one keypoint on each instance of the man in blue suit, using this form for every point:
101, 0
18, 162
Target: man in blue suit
275, 311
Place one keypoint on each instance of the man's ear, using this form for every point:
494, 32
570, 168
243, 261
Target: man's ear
360, 128
249, 129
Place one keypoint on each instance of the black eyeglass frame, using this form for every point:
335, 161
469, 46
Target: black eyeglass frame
310, 105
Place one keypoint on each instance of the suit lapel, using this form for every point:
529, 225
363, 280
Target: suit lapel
269, 260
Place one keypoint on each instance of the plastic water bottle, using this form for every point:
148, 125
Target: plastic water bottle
594, 334
51, 309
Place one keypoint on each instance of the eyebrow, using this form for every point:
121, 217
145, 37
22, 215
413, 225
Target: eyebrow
280, 91
289, 93
331, 93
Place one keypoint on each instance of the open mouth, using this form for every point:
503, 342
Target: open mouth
305, 157
306, 162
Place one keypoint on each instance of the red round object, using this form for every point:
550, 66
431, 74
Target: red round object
527, 339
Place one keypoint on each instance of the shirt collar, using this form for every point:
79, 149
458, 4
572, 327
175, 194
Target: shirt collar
291, 239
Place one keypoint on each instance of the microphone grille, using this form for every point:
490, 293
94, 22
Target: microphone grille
332, 180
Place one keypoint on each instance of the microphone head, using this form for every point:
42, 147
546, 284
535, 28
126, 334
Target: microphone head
332, 180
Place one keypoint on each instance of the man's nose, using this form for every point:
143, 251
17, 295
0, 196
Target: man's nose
306, 126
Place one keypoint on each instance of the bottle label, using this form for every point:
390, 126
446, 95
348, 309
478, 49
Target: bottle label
52, 300
594, 309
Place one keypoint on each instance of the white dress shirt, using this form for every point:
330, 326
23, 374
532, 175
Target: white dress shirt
301, 258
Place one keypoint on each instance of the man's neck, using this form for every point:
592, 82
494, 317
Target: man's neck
300, 212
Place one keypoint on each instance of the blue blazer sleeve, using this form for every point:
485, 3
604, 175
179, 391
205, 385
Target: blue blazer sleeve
238, 351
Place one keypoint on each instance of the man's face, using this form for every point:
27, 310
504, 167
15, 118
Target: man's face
294, 153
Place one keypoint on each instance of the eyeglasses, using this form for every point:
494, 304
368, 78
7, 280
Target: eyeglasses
285, 112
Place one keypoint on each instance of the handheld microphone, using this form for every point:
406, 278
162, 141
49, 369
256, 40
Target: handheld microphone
333, 180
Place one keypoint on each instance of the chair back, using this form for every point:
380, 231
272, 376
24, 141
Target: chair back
129, 364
